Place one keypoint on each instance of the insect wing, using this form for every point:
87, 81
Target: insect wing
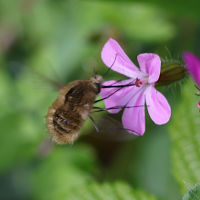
41, 81
110, 129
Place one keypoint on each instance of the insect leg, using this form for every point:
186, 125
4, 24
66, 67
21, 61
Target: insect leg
97, 129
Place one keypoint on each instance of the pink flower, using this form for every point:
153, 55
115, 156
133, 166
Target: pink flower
192, 66
139, 88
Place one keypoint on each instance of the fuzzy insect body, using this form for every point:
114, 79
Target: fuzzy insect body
69, 111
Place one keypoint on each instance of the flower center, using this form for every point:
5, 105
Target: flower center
139, 82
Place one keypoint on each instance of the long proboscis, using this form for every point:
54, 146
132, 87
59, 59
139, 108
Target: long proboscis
115, 107
118, 86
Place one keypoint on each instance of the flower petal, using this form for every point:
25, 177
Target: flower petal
117, 96
150, 64
134, 118
157, 105
193, 66
113, 56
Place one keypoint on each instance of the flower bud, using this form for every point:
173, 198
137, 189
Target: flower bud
171, 72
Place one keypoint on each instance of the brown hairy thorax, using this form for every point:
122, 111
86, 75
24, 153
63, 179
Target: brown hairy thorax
69, 111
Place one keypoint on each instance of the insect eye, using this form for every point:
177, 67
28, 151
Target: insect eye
97, 86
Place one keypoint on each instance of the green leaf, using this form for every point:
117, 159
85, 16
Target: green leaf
21, 127
178, 8
184, 133
66, 168
134, 19
194, 193
108, 191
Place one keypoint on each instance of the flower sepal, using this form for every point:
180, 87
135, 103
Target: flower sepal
171, 72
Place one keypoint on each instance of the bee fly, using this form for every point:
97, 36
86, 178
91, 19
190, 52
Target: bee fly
68, 112
74, 105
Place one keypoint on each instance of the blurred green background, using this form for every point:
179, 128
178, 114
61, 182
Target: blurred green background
62, 39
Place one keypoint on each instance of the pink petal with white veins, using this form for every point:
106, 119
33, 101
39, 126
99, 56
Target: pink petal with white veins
117, 96
113, 56
157, 105
150, 64
193, 66
134, 118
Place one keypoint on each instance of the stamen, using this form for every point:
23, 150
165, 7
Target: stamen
138, 82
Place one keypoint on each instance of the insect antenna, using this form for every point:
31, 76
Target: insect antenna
111, 65
95, 72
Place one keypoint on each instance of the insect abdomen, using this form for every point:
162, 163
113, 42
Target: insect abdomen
67, 121
68, 112
64, 125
